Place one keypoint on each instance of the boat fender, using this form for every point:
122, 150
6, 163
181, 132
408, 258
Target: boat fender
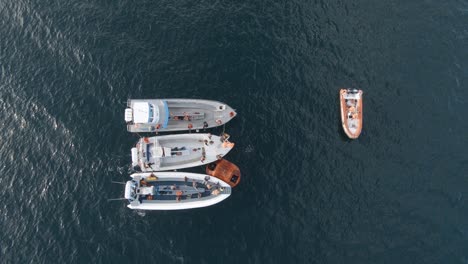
219, 122
134, 157
190, 126
158, 126
146, 140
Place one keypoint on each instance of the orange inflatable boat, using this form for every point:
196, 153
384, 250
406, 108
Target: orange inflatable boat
225, 171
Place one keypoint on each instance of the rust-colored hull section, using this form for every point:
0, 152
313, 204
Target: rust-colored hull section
351, 114
225, 171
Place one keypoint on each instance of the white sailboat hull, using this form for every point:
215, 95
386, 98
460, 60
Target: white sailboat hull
203, 190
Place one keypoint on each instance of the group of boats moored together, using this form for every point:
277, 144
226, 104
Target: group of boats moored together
154, 188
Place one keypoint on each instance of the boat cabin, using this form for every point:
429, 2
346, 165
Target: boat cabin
186, 116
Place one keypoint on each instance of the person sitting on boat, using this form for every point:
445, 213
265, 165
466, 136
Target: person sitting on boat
177, 148
215, 192
187, 117
225, 137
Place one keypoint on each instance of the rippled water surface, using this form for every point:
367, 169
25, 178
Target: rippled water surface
398, 194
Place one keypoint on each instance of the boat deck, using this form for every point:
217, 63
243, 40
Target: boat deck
173, 190
351, 112
185, 114
179, 151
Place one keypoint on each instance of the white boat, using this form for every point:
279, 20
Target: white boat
163, 115
174, 191
173, 152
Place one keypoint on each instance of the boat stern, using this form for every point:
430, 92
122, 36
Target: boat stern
146, 115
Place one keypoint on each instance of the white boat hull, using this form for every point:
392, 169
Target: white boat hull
203, 190
165, 115
174, 152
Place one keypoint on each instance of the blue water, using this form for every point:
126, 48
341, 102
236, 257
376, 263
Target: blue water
398, 194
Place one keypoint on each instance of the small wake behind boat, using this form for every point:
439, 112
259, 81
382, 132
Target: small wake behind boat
351, 112
173, 152
174, 191
164, 115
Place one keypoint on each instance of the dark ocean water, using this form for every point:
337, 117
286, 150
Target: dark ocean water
398, 194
